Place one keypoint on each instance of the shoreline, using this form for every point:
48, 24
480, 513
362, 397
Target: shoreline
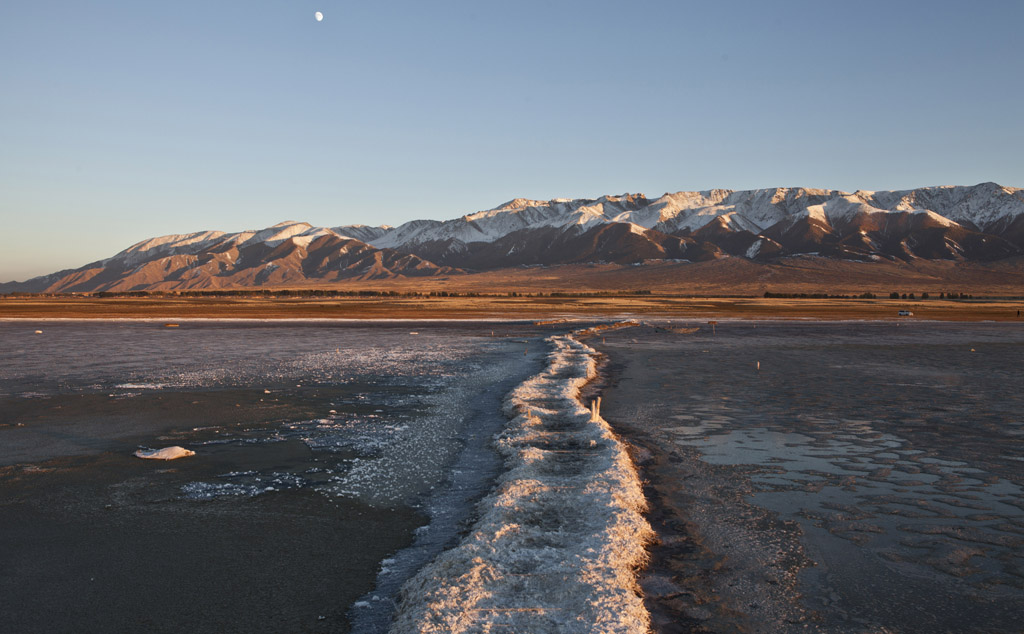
507, 309
671, 554
665, 617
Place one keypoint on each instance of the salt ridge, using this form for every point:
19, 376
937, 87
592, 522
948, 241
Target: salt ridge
558, 541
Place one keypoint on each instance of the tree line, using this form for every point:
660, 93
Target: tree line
942, 295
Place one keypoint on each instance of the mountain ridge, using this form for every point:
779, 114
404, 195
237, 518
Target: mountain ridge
983, 222
745, 209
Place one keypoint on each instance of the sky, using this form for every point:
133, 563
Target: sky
121, 121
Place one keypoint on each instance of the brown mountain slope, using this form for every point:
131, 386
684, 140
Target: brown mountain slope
327, 259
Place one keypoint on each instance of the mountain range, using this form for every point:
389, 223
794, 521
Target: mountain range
980, 223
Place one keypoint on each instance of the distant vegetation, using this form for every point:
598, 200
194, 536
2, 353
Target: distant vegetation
892, 295
898, 295
771, 295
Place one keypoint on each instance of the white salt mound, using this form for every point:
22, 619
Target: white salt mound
167, 453
557, 543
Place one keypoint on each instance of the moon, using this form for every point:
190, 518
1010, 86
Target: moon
319, 16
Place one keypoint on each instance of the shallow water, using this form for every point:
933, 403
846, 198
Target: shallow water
395, 418
877, 466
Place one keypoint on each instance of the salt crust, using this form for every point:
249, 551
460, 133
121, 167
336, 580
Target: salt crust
558, 541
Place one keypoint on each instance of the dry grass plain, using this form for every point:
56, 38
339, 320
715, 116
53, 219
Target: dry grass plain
526, 308
727, 288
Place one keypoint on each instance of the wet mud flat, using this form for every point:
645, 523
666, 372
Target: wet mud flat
866, 477
234, 539
331, 461
108, 544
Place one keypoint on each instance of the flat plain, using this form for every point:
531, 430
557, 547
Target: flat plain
503, 307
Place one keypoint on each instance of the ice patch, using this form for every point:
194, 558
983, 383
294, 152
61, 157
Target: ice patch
243, 483
167, 453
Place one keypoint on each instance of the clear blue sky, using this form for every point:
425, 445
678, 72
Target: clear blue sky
126, 120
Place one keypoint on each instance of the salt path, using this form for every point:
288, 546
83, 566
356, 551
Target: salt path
558, 541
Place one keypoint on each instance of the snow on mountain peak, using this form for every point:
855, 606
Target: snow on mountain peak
302, 232
518, 203
746, 210
979, 207
168, 245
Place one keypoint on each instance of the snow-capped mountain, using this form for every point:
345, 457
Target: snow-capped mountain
982, 222
515, 215
289, 253
300, 233
979, 208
